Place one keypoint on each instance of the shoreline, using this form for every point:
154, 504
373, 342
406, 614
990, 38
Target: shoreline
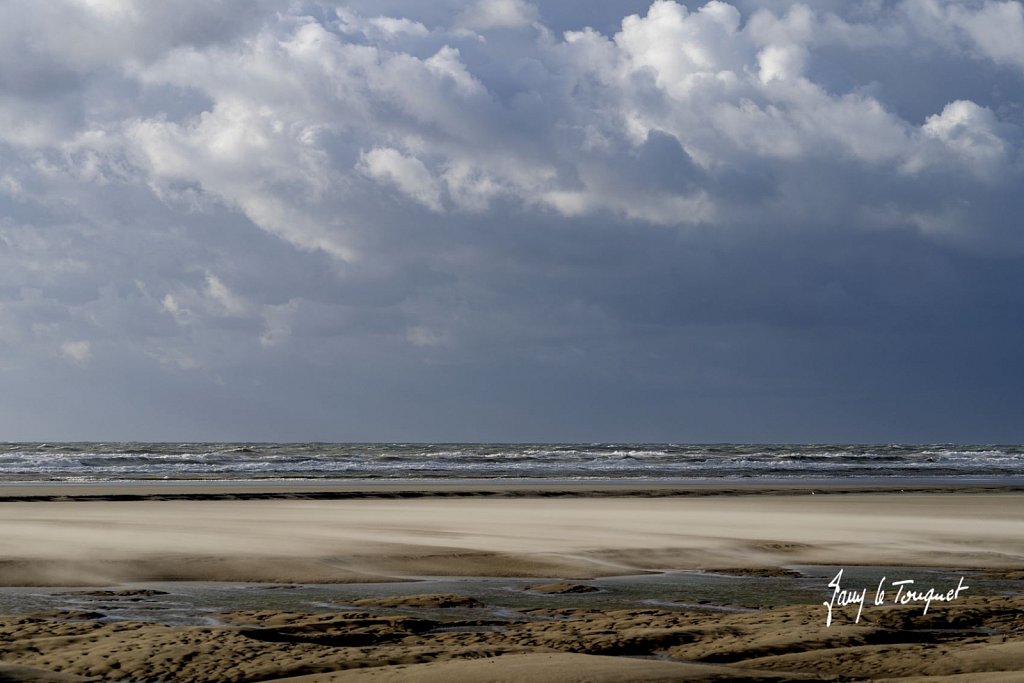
334, 489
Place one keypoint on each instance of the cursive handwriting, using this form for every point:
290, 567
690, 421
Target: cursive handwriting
841, 597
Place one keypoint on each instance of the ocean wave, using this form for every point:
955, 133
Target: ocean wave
143, 461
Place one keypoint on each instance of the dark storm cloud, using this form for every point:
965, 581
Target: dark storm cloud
486, 220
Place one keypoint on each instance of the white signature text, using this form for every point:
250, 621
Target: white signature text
905, 594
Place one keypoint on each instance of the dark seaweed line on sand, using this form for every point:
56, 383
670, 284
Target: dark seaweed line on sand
506, 493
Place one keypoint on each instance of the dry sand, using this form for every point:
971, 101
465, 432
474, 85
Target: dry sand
282, 539
308, 541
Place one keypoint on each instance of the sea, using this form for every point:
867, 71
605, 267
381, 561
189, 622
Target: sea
264, 462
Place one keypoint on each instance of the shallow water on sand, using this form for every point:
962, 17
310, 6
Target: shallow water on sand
199, 603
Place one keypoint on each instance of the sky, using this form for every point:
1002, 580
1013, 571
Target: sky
503, 220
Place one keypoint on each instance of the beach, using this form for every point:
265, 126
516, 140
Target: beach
561, 546
511, 340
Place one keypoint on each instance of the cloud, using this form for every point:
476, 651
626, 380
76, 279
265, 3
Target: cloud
406, 173
972, 136
76, 351
993, 29
231, 303
697, 209
388, 28
490, 14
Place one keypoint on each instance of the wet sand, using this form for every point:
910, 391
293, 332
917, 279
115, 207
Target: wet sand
102, 538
